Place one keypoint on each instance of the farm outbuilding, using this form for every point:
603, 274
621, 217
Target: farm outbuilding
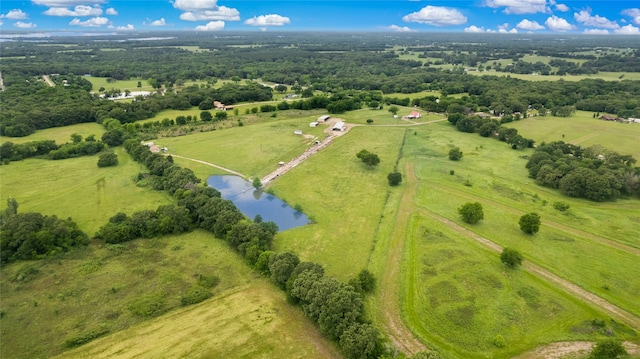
339, 126
313, 124
323, 118
297, 132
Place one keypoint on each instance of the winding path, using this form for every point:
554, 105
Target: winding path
210, 164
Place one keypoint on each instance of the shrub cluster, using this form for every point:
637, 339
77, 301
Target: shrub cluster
593, 173
31, 235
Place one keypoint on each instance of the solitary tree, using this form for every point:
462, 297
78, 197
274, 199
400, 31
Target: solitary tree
530, 223
394, 110
455, 154
394, 178
369, 158
107, 159
206, 116
471, 212
76, 138
257, 183
511, 258
281, 88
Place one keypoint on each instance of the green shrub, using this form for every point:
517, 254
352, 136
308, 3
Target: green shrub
84, 338
499, 341
208, 281
561, 206
195, 294
149, 305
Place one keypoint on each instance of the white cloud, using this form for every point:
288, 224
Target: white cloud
159, 22
562, 7
195, 5
397, 28
519, 6
584, 17
268, 20
503, 26
1, 22
93, 22
627, 30
437, 16
474, 29
529, 25
25, 25
80, 10
126, 28
596, 32
555, 23
112, 11
220, 13
634, 13
211, 26
65, 3
505, 31
15, 14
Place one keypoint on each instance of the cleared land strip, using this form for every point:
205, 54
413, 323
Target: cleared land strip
47, 79
564, 284
401, 336
212, 165
563, 227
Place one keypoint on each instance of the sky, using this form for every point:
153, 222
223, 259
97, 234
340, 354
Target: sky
598, 17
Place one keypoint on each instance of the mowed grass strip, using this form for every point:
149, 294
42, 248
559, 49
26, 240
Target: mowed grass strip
343, 197
95, 290
79, 189
494, 177
122, 85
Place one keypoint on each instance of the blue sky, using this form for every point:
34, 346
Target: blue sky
499, 16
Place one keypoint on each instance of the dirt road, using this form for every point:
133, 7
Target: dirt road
211, 164
47, 79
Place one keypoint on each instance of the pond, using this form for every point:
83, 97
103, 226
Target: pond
252, 202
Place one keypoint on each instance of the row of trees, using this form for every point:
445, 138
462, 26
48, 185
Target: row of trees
336, 306
10, 151
487, 127
593, 173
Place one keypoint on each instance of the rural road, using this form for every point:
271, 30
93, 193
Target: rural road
47, 79
209, 164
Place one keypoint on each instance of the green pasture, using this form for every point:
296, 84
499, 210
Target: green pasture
78, 188
343, 197
584, 130
385, 118
607, 76
459, 297
412, 95
571, 244
59, 134
131, 85
91, 291
253, 150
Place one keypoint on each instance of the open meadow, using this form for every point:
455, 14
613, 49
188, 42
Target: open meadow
59, 134
78, 188
130, 295
452, 293
584, 130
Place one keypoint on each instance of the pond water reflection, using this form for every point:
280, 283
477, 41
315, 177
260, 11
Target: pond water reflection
252, 202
